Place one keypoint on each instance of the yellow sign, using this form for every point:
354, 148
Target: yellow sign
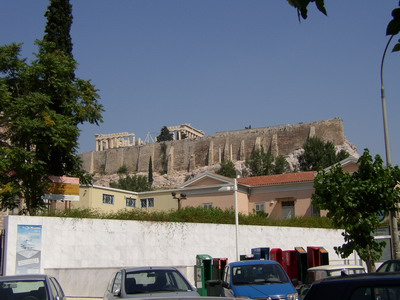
63, 188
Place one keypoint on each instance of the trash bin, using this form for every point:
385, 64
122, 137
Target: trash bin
324, 256
276, 254
314, 256
260, 253
303, 263
202, 273
218, 266
291, 264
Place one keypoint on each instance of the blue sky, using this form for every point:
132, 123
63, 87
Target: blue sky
227, 64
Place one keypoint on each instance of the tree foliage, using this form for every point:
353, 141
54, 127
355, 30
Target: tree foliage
319, 154
353, 200
263, 163
227, 169
150, 172
42, 104
165, 135
393, 27
59, 22
302, 7
135, 183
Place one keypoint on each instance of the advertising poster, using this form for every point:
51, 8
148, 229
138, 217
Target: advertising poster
29, 242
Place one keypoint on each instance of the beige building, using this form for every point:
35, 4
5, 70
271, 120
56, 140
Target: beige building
107, 199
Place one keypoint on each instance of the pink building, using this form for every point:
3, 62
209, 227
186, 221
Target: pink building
280, 196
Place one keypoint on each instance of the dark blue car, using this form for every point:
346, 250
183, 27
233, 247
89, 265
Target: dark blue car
372, 286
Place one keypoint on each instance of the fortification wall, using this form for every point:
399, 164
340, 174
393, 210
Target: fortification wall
186, 155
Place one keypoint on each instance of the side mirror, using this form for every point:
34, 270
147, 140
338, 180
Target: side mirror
295, 282
225, 285
215, 282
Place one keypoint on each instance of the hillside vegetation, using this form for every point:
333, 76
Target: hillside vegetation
195, 215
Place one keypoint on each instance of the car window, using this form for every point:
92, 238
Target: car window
259, 274
23, 288
53, 289
393, 267
117, 282
379, 293
227, 275
57, 286
145, 281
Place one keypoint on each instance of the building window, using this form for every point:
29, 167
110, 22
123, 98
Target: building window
315, 212
108, 199
147, 202
130, 202
207, 205
259, 207
287, 209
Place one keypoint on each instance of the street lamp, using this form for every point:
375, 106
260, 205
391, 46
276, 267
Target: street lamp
235, 190
394, 232
180, 197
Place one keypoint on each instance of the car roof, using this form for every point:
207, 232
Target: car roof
254, 262
24, 277
334, 267
362, 278
137, 269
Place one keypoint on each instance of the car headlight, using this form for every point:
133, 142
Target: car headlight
293, 296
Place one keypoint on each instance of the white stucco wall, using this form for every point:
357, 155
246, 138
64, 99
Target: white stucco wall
83, 253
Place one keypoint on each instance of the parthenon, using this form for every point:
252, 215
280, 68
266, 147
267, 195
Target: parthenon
114, 140
185, 131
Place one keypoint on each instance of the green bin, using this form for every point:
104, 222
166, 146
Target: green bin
202, 272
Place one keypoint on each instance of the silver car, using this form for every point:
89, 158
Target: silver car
30, 287
148, 282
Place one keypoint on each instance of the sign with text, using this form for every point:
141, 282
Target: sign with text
63, 188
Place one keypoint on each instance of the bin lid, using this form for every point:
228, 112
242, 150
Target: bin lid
203, 257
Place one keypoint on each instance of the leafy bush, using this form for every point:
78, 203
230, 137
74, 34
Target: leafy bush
194, 215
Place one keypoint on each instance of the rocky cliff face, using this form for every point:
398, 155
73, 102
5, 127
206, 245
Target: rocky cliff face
206, 152
176, 178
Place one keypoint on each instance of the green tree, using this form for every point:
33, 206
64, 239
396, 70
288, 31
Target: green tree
353, 200
58, 27
135, 183
302, 6
263, 163
393, 28
319, 154
42, 104
122, 170
150, 175
165, 135
280, 165
227, 169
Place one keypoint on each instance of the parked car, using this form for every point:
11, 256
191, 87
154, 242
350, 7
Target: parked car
392, 265
324, 271
371, 286
262, 279
148, 282
30, 287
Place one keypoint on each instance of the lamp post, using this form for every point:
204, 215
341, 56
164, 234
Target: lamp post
179, 198
235, 196
394, 232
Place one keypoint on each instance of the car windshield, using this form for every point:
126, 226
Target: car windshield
153, 281
259, 274
19, 289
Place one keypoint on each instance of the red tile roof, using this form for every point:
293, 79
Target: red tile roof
278, 179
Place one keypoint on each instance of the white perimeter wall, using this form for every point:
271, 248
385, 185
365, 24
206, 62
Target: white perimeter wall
83, 253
